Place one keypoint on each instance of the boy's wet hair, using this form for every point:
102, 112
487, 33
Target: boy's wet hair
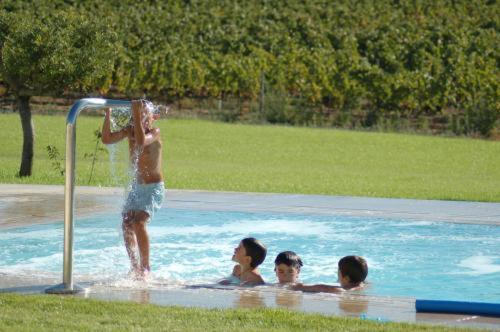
289, 258
255, 249
354, 267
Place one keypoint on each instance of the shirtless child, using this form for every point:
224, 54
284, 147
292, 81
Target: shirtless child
147, 188
249, 254
352, 273
287, 267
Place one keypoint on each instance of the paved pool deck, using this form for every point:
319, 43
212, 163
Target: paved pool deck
22, 205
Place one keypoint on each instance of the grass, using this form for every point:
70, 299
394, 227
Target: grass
255, 158
48, 313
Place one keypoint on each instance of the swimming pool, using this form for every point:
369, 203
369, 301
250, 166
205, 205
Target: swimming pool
422, 259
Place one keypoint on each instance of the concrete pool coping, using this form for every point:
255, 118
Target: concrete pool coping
45, 203
22, 205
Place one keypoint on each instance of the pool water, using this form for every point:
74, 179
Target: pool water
421, 259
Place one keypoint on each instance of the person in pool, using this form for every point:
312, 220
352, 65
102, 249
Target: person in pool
352, 272
147, 188
249, 254
287, 267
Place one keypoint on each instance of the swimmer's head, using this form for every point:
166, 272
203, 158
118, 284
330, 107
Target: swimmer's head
250, 251
287, 267
352, 270
151, 113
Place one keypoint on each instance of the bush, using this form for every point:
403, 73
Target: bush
407, 57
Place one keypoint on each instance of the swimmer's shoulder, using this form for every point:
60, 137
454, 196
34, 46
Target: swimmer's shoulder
252, 278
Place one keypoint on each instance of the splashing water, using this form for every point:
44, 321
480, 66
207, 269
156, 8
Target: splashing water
121, 118
121, 115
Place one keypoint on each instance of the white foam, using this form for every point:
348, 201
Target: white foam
43, 263
204, 269
45, 234
243, 227
412, 223
199, 246
19, 272
123, 281
479, 265
436, 237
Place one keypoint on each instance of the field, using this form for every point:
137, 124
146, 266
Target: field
280, 159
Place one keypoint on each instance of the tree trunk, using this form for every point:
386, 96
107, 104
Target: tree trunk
23, 104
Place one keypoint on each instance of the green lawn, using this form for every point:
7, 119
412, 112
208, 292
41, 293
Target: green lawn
255, 158
49, 313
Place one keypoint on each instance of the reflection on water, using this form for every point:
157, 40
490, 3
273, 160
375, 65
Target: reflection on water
352, 306
140, 296
249, 299
289, 299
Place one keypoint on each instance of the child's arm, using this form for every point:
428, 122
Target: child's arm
236, 273
320, 288
109, 137
141, 138
237, 270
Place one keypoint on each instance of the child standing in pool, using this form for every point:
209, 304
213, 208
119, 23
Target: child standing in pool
147, 189
249, 254
352, 272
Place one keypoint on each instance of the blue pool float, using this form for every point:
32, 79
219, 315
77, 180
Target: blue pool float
458, 307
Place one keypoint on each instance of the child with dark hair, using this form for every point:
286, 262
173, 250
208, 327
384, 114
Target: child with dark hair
287, 267
147, 189
352, 273
249, 254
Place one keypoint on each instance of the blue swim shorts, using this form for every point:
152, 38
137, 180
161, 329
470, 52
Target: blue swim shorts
145, 197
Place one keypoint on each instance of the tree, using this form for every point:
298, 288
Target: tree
49, 53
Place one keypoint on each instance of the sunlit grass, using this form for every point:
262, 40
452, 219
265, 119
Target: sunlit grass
235, 157
49, 313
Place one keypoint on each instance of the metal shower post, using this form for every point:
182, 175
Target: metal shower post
67, 286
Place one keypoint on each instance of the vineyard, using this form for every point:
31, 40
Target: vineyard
347, 63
